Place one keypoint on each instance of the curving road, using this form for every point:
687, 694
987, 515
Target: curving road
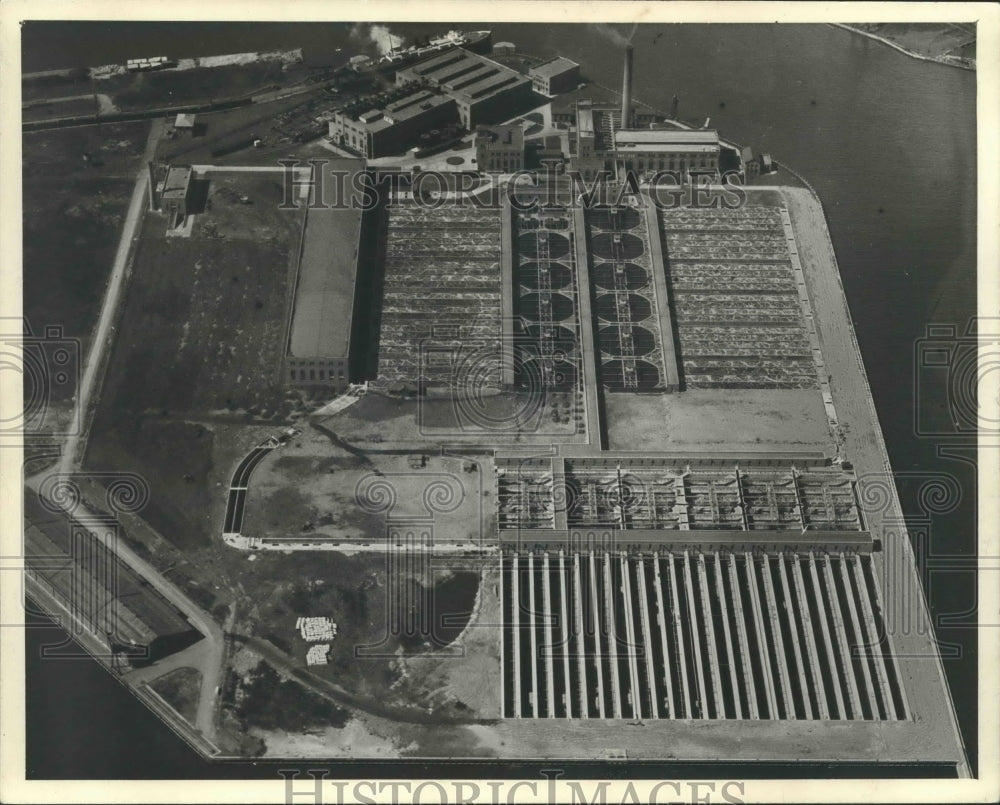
239, 486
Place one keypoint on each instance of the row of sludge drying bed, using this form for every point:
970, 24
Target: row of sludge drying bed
607, 635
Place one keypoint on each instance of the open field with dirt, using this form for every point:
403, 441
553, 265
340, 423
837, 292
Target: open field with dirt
379, 423
313, 487
729, 420
382, 611
472, 675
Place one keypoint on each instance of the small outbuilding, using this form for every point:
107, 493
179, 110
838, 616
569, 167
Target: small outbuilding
184, 123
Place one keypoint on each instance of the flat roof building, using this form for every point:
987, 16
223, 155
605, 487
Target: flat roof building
175, 193
483, 90
555, 76
679, 151
377, 131
499, 148
601, 144
667, 139
320, 339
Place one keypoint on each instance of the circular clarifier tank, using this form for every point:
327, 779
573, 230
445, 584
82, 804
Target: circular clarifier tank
620, 246
530, 244
533, 306
612, 343
606, 306
561, 338
534, 275
561, 377
617, 218
614, 374
625, 275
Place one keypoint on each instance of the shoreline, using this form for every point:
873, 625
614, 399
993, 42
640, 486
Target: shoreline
896, 46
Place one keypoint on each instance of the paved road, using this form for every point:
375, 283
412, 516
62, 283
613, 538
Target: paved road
91, 371
239, 486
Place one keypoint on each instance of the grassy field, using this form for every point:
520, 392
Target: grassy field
199, 85
180, 689
204, 323
202, 337
76, 107
66, 265
175, 459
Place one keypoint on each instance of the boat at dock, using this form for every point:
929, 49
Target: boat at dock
476, 41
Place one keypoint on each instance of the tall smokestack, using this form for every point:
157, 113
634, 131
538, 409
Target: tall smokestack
627, 89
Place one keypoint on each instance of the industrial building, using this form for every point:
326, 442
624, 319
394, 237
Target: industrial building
555, 76
681, 151
68, 563
171, 194
375, 131
499, 148
483, 90
320, 338
610, 138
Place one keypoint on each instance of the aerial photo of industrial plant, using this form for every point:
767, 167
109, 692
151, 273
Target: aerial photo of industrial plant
497, 392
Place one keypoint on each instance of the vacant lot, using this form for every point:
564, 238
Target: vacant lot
730, 419
382, 613
316, 488
379, 423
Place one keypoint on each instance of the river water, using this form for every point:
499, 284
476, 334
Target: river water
887, 141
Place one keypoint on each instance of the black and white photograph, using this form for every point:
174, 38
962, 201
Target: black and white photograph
487, 402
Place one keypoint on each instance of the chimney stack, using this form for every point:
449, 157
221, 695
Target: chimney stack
627, 89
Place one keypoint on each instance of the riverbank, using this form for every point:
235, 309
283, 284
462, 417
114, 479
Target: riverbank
931, 44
